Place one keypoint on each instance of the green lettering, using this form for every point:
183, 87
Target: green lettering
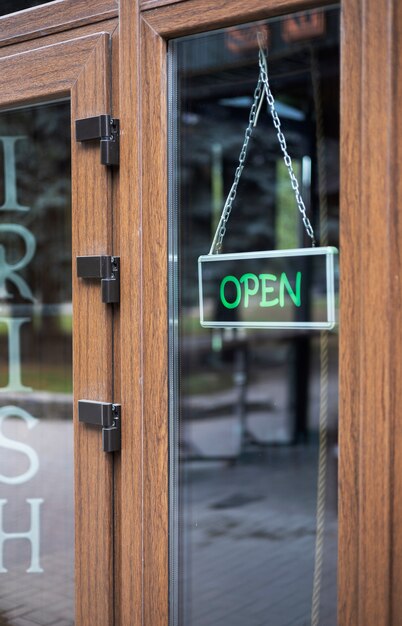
295, 295
247, 291
265, 289
230, 305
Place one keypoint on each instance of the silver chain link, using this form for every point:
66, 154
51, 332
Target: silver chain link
221, 229
282, 142
258, 94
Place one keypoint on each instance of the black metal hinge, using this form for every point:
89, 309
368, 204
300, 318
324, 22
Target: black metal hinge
105, 128
107, 268
105, 415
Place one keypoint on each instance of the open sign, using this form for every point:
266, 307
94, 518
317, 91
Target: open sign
270, 289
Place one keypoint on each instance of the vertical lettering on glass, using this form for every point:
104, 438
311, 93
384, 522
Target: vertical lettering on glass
10, 175
9, 272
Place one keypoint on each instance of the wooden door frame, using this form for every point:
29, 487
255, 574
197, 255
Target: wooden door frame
370, 363
79, 68
370, 512
54, 17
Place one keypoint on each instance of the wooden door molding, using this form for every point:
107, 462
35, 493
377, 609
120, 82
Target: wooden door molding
106, 26
370, 472
194, 16
80, 69
54, 17
154, 4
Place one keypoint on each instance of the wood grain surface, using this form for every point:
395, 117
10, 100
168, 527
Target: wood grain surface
92, 345
141, 476
155, 4
350, 336
54, 17
370, 542
128, 329
194, 16
80, 69
394, 53
155, 318
374, 216
117, 363
106, 26
44, 73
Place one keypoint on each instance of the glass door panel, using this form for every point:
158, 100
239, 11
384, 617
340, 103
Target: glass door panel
36, 410
12, 6
253, 413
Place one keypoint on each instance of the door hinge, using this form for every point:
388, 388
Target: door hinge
107, 268
105, 128
107, 416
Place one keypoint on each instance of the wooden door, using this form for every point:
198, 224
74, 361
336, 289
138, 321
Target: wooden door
49, 55
369, 514
74, 69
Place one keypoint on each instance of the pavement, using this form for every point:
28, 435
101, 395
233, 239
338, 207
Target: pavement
247, 520
248, 541
47, 598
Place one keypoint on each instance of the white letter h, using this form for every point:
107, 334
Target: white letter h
33, 535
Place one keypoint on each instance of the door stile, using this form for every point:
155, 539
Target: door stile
350, 336
369, 510
129, 467
155, 327
118, 367
376, 348
396, 340
93, 348
194, 16
44, 20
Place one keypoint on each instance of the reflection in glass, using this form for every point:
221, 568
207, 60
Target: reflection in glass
12, 6
36, 430
245, 403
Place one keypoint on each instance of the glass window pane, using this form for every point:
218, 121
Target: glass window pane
12, 6
36, 426
252, 411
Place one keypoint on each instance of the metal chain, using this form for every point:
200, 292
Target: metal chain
221, 229
262, 58
253, 117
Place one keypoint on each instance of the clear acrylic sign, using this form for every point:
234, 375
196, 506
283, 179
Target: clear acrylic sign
271, 289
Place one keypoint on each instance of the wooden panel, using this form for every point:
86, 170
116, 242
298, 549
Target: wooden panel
79, 68
155, 364
44, 73
93, 355
374, 213
370, 556
194, 16
118, 547
107, 26
54, 17
395, 239
141, 480
350, 336
128, 471
154, 4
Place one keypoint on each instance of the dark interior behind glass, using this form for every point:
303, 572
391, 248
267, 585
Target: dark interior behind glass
13, 6
245, 403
